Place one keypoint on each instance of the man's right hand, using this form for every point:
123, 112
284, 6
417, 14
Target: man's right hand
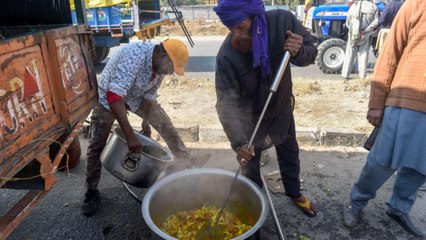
134, 144
245, 154
119, 111
374, 116
361, 35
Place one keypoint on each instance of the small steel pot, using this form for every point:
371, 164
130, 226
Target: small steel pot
140, 170
191, 189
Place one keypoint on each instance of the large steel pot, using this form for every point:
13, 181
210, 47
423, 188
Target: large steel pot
140, 170
191, 189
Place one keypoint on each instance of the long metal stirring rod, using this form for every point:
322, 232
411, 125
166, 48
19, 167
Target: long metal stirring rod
274, 213
216, 221
272, 90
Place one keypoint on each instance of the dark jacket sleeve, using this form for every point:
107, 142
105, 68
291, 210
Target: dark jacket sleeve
384, 16
308, 51
232, 114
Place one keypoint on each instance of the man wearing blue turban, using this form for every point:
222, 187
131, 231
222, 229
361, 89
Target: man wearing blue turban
245, 67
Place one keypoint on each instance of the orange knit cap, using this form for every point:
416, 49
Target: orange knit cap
178, 53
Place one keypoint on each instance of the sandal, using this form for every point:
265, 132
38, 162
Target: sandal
306, 206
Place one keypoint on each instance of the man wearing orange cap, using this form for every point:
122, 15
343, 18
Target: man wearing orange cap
130, 81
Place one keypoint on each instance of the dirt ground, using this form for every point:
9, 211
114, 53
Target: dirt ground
196, 28
320, 104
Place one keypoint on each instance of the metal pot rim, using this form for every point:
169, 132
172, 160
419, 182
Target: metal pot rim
170, 178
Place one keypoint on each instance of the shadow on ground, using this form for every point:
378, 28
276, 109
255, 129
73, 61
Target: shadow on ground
328, 177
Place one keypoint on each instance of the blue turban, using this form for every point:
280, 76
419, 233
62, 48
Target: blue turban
234, 12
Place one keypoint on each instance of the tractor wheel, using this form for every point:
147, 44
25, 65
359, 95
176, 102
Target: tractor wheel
74, 153
72, 158
330, 56
101, 54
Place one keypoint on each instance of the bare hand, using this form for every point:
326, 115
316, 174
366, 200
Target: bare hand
134, 144
146, 128
362, 35
293, 43
244, 154
374, 116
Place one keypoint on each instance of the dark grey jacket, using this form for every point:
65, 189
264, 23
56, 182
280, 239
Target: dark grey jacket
242, 91
389, 13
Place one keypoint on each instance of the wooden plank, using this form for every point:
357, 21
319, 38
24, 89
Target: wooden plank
16, 44
78, 80
14, 216
11, 166
47, 85
26, 106
73, 134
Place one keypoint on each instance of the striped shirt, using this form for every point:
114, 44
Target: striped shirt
399, 77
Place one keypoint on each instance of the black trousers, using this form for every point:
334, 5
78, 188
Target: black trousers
288, 160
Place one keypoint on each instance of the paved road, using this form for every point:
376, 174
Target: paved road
328, 176
202, 61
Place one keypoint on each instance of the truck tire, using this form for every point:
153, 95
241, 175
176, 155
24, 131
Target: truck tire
74, 153
330, 56
101, 54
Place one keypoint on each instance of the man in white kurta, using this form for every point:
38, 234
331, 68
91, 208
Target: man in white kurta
363, 18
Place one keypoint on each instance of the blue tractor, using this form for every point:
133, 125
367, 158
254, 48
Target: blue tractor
327, 23
116, 21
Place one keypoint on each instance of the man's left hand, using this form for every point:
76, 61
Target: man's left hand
293, 43
374, 116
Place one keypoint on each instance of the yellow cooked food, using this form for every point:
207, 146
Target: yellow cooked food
185, 225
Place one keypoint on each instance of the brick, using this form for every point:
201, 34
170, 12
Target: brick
308, 136
341, 137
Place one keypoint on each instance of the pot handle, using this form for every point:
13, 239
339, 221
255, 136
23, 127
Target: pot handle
131, 161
